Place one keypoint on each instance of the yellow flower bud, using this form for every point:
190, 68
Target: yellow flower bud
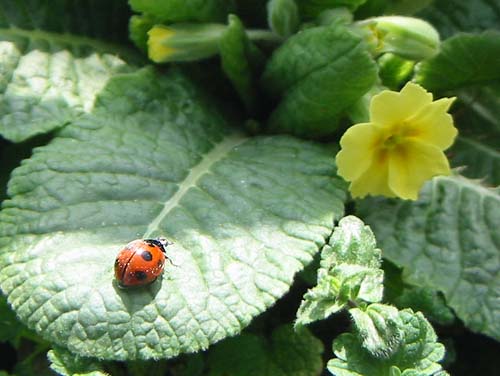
183, 42
408, 37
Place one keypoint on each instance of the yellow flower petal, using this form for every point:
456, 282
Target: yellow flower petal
411, 164
351, 163
390, 108
157, 51
373, 181
434, 125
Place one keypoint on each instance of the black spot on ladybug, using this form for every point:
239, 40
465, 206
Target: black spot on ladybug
146, 256
140, 275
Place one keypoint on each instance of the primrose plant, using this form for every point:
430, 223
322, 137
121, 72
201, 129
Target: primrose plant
232, 187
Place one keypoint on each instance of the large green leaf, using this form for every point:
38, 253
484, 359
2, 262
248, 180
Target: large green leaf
249, 355
448, 240
50, 79
464, 60
316, 75
451, 16
156, 158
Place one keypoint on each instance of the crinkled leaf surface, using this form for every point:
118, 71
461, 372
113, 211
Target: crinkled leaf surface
316, 75
476, 148
417, 354
156, 158
65, 363
450, 16
48, 79
447, 240
464, 60
285, 353
349, 270
379, 328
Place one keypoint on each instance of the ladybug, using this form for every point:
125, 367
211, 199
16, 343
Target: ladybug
141, 262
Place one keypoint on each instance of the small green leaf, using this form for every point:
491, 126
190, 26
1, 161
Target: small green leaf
394, 70
65, 363
234, 48
250, 354
464, 60
184, 10
138, 30
316, 75
157, 157
448, 241
312, 8
349, 271
417, 354
283, 17
379, 328
452, 16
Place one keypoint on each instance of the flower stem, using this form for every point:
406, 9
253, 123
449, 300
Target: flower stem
263, 35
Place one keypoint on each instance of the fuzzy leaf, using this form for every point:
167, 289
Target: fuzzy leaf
464, 60
184, 10
349, 270
50, 79
65, 363
318, 73
417, 354
448, 240
379, 328
155, 157
249, 355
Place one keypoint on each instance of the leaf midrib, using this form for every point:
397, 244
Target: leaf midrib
220, 151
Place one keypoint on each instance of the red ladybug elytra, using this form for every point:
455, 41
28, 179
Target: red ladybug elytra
141, 262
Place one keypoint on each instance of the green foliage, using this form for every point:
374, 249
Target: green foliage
283, 17
476, 148
313, 70
184, 10
223, 197
98, 149
312, 8
236, 55
448, 241
414, 351
65, 363
250, 354
452, 16
478, 57
349, 272
50, 79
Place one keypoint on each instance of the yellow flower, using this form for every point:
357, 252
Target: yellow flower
402, 145
158, 52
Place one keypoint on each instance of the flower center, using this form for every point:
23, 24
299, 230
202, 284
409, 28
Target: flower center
392, 141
